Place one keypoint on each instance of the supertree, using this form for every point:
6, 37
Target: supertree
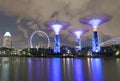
94, 21
57, 26
78, 33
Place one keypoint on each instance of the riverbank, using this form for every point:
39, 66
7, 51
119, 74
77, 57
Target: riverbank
60, 56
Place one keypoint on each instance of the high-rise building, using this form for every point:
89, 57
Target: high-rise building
7, 40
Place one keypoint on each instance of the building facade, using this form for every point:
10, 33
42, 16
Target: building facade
7, 40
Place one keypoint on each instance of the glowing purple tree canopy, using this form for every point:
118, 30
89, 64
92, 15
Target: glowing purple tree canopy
78, 32
57, 28
95, 20
57, 25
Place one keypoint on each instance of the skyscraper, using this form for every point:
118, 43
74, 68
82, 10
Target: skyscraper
7, 40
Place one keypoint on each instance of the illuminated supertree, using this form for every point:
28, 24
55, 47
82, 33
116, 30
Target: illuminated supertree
78, 33
57, 26
94, 21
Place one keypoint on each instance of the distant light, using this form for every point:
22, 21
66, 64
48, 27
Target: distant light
78, 34
95, 22
96, 51
118, 52
57, 28
7, 34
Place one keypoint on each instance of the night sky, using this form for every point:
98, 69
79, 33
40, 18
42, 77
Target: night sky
22, 17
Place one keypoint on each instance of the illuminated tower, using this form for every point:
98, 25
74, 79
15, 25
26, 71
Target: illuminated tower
7, 40
78, 33
57, 26
94, 22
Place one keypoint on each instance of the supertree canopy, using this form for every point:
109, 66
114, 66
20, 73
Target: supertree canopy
94, 21
78, 33
57, 26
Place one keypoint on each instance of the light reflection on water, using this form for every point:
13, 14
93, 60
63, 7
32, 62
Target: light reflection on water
96, 67
59, 69
5, 69
56, 70
78, 70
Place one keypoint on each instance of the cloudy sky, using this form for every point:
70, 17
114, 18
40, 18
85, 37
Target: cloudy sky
22, 17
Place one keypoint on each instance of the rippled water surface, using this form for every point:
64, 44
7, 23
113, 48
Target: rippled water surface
59, 69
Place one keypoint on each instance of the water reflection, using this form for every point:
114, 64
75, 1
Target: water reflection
30, 69
56, 69
89, 68
78, 70
96, 67
118, 64
67, 69
59, 69
5, 69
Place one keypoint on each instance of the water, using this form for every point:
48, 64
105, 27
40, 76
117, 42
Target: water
59, 69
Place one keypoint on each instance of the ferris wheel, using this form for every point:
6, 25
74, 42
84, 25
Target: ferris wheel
39, 31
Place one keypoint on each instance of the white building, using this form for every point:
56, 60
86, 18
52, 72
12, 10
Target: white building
7, 40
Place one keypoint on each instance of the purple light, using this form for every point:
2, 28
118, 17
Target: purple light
57, 25
95, 22
57, 28
78, 32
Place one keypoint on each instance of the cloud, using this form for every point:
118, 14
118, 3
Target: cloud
36, 12
41, 9
22, 29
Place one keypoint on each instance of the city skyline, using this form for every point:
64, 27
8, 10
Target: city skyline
21, 18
